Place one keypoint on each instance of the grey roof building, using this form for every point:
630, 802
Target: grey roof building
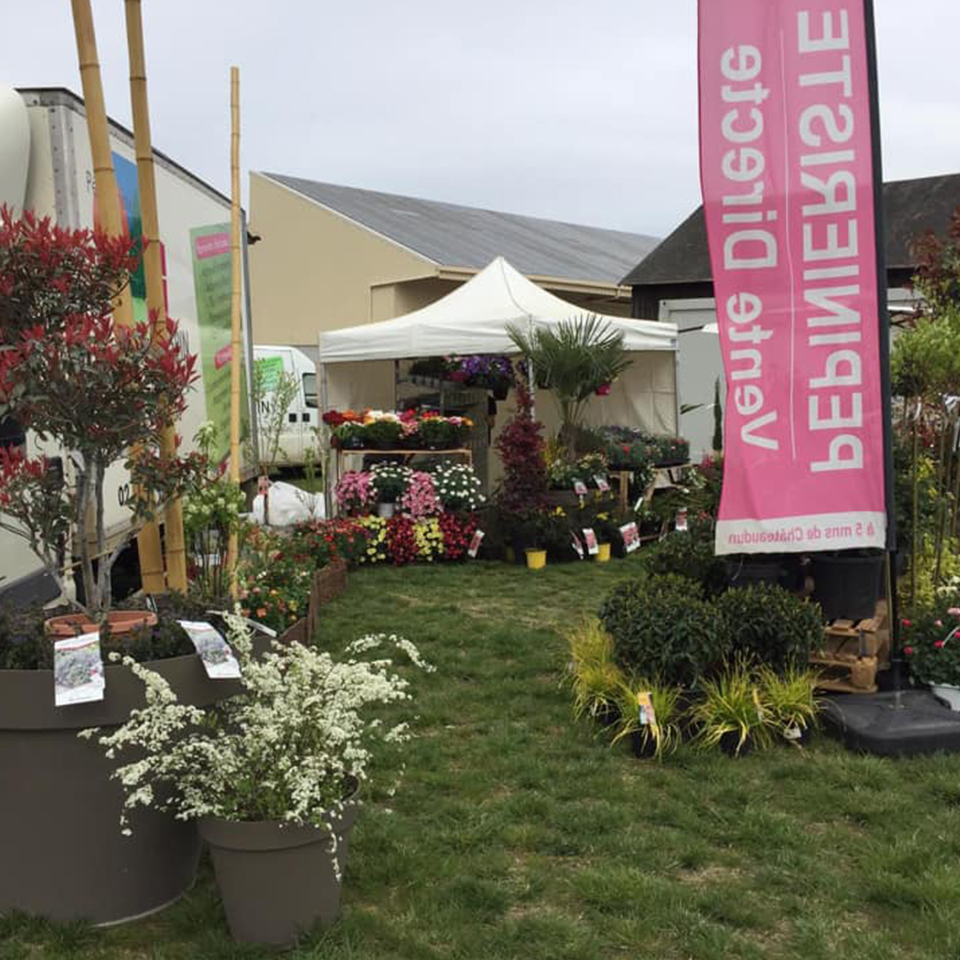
679, 267
331, 256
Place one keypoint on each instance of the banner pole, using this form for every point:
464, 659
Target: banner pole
883, 319
153, 269
107, 197
236, 355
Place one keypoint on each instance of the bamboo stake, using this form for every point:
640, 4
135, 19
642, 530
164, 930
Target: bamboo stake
153, 267
107, 198
236, 348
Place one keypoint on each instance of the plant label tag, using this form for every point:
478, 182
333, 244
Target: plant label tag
631, 537
646, 716
78, 670
601, 483
259, 627
682, 519
475, 541
215, 653
590, 539
579, 488
792, 733
577, 544
638, 504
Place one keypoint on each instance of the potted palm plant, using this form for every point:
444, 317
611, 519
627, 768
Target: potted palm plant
271, 775
573, 361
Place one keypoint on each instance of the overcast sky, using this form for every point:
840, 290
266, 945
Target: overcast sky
556, 108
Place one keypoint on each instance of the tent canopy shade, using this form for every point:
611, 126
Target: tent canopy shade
473, 319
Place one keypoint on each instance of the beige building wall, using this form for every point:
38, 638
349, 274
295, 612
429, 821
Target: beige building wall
314, 270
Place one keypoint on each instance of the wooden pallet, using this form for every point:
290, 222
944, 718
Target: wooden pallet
853, 652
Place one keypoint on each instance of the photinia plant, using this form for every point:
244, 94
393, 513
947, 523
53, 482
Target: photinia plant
100, 391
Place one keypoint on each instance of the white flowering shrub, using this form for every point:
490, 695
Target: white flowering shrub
458, 487
287, 749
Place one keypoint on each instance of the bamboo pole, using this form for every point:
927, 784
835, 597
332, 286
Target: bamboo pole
153, 267
236, 347
107, 198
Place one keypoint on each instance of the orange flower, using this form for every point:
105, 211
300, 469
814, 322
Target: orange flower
261, 611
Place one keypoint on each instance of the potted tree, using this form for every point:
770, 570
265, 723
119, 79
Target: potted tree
101, 392
271, 775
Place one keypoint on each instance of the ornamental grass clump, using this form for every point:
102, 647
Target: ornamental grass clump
288, 749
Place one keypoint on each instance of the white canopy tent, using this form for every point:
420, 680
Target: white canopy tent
356, 367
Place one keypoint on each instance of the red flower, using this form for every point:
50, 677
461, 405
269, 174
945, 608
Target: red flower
938, 644
908, 651
906, 623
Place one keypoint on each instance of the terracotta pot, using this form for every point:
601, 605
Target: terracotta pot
119, 621
276, 881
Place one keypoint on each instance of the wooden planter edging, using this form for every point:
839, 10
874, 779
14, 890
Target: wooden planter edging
327, 584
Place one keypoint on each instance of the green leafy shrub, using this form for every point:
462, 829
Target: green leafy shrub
688, 554
662, 626
766, 623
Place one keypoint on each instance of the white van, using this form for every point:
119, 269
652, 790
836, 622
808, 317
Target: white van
302, 416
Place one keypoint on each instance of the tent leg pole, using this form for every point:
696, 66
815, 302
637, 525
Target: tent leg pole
327, 450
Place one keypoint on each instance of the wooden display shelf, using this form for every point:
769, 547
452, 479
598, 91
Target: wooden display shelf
408, 453
853, 652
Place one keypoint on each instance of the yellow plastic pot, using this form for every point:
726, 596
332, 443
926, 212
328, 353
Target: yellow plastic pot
536, 559
604, 555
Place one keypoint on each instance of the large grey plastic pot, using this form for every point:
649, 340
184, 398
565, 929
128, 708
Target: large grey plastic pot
61, 851
277, 882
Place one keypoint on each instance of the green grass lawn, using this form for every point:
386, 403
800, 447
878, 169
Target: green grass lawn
519, 834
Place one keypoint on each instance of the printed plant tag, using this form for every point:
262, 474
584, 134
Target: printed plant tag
579, 488
601, 483
590, 539
792, 733
259, 627
577, 544
475, 543
682, 519
638, 504
631, 537
646, 716
218, 659
78, 670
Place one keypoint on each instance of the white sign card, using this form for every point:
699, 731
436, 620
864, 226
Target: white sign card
215, 653
78, 670
631, 537
601, 483
590, 539
577, 544
646, 716
579, 488
475, 541
682, 519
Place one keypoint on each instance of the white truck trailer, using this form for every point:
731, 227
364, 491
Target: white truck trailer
44, 137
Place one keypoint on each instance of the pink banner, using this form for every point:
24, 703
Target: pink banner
787, 177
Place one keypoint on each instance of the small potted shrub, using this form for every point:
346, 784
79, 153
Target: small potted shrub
766, 623
594, 675
657, 736
389, 482
661, 626
271, 775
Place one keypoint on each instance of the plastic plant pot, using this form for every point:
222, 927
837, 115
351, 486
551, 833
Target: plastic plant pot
603, 554
536, 559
